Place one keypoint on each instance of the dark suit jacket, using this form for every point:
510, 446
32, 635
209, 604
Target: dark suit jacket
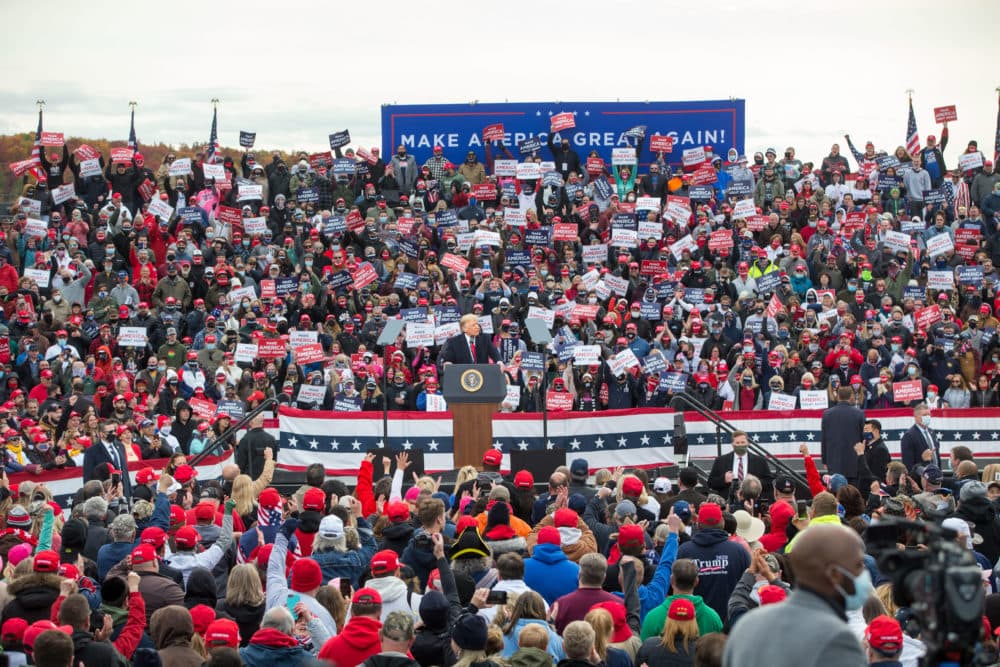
96, 454
457, 350
756, 466
843, 427
913, 444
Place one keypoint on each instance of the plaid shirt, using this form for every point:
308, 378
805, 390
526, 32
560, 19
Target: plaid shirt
436, 165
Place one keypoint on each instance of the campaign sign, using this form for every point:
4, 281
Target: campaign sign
52, 139
309, 393
63, 193
929, 316
125, 154
945, 114
558, 401
660, 143
270, 348
939, 244
493, 132
562, 121
815, 399
970, 161
406, 281
915, 292
343, 166
594, 254
484, 191
310, 353
970, 275
364, 275
526, 147
306, 195
600, 126
781, 402
701, 192
91, 167
247, 138
505, 167
910, 390
936, 196
340, 139
518, 257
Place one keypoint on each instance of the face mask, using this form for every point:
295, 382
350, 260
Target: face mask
807, 385
740, 451
592, 300
162, 368
61, 342
911, 371
747, 348
927, 420
862, 589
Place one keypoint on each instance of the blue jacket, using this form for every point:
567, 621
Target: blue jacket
110, 555
350, 564
422, 562
651, 595
550, 572
721, 563
555, 649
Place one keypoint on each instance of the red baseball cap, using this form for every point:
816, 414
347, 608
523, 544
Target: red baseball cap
222, 632
397, 511
630, 536
184, 474
46, 561
146, 475
492, 457
367, 595
884, 634
384, 562
144, 553
187, 537
681, 609
710, 514
154, 536
524, 479
632, 486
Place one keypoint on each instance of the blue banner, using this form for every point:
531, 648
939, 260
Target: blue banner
600, 126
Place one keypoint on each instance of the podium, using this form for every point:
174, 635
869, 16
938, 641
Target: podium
473, 393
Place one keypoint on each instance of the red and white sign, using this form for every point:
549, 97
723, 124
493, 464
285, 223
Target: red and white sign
267, 289
661, 143
493, 132
622, 156
755, 223
926, 317
86, 152
939, 244
653, 267
122, 154
528, 171
309, 353
364, 275
720, 239
19, 168
505, 167
965, 235
355, 221
781, 402
678, 208
52, 139
564, 231
270, 348
943, 114
63, 193
484, 191
36, 228
455, 262
595, 165
202, 408
814, 399
647, 203
228, 215
693, 156
744, 209
559, 401
585, 311
216, 171
910, 390
562, 121
704, 176
970, 161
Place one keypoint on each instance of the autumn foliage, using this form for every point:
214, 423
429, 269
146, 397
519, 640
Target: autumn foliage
15, 147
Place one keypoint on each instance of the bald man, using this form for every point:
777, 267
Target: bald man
471, 346
810, 627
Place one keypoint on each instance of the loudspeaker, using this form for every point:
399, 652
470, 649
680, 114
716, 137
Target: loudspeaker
539, 464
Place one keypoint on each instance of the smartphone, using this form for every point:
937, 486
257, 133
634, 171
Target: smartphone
293, 599
116, 479
803, 507
996, 477
345, 588
497, 597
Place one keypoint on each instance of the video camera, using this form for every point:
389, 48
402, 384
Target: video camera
942, 584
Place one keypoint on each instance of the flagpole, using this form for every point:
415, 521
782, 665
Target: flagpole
40, 103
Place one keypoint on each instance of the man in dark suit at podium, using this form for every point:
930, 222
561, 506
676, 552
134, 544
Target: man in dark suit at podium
471, 346
729, 469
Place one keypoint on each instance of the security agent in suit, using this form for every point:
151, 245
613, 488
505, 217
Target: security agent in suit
459, 349
829, 565
109, 451
919, 443
843, 427
724, 478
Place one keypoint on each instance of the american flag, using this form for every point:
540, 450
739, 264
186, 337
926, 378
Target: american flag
133, 143
213, 138
996, 141
912, 138
36, 148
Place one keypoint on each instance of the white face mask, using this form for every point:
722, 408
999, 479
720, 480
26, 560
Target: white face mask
927, 422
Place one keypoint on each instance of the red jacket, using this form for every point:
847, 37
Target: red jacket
358, 642
776, 539
131, 633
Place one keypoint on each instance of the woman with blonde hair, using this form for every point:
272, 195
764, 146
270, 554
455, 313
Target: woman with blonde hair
600, 619
243, 494
675, 646
244, 601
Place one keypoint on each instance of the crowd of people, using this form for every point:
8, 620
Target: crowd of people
145, 312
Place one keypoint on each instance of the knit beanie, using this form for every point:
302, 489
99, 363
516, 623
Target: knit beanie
18, 517
549, 535
470, 633
434, 610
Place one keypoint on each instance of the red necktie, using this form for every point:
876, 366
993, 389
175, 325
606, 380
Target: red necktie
739, 469
472, 348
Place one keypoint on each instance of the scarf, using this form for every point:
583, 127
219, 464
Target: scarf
17, 451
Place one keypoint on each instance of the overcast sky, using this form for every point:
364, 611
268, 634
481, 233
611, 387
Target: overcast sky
296, 71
